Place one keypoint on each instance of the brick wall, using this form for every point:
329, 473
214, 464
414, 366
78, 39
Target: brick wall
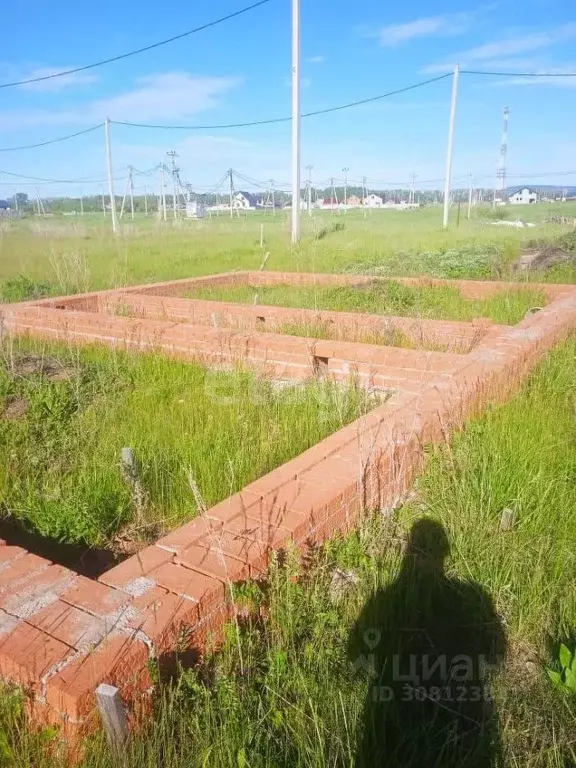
61, 634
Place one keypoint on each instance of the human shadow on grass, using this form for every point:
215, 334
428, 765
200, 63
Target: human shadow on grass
429, 642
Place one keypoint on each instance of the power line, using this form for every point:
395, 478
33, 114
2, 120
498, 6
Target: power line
286, 119
138, 50
518, 74
53, 141
52, 181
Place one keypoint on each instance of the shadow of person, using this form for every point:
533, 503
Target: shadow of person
428, 642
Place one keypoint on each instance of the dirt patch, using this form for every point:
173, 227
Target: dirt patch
15, 409
31, 365
543, 258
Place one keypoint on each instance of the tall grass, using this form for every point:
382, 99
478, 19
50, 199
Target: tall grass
68, 414
385, 298
83, 257
297, 701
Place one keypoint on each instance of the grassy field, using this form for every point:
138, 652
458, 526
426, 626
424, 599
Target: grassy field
385, 298
293, 689
65, 416
290, 692
64, 256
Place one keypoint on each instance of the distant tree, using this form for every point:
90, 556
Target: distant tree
22, 199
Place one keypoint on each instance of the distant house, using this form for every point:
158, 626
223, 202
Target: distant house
4, 205
523, 196
373, 201
354, 201
330, 202
246, 201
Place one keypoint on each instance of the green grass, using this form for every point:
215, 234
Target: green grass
388, 297
67, 424
75, 256
285, 693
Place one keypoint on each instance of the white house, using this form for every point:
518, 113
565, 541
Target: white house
523, 196
244, 201
373, 201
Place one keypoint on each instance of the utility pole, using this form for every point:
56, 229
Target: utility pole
364, 194
345, 172
469, 195
231, 179
16, 201
273, 191
131, 182
295, 233
173, 155
413, 189
450, 148
145, 201
81, 204
162, 192
110, 175
103, 201
334, 196
309, 185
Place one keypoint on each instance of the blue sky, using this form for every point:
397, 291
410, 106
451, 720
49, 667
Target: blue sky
240, 71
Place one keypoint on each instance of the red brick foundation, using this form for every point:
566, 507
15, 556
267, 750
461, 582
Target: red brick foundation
62, 634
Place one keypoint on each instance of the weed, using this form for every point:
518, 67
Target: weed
21, 288
564, 678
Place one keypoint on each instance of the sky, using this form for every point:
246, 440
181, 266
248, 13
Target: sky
240, 71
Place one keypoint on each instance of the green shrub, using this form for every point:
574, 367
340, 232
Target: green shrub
21, 288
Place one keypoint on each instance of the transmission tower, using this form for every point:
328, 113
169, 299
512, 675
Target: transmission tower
503, 153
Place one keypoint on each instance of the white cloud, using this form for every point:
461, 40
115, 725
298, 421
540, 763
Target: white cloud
506, 47
316, 59
432, 26
163, 97
75, 80
167, 96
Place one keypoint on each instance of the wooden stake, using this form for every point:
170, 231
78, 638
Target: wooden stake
113, 716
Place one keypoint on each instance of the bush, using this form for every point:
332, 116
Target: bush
21, 288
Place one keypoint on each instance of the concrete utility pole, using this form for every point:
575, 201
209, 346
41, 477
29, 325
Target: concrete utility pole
364, 194
103, 201
173, 155
231, 179
273, 191
413, 189
295, 233
334, 196
469, 195
450, 149
110, 175
131, 182
16, 201
81, 204
163, 192
145, 201
345, 172
309, 185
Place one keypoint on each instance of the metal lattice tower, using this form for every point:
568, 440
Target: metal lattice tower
503, 152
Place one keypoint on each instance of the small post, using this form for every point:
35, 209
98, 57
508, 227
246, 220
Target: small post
113, 716
261, 235
470, 196
450, 149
